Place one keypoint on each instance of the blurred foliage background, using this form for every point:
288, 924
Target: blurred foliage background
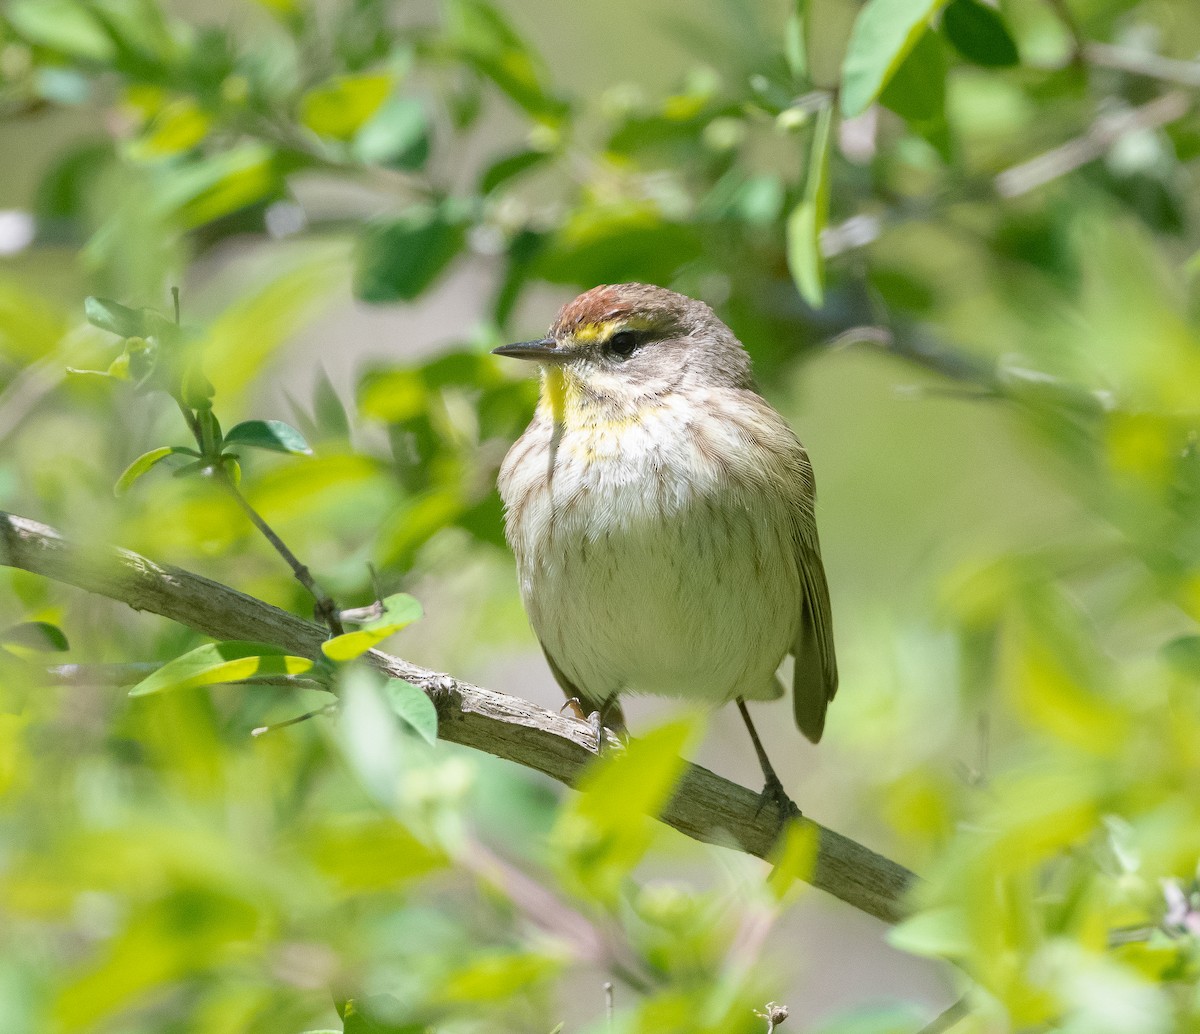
961, 242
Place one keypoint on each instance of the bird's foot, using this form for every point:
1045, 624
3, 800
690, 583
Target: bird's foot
594, 721
775, 795
575, 706
597, 724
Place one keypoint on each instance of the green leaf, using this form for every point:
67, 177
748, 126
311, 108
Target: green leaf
177, 127
114, 317
268, 434
937, 933
396, 136
200, 192
884, 34
602, 833
978, 33
329, 414
611, 243
191, 468
373, 853
793, 858
221, 662
393, 396
62, 25
415, 523
339, 107
145, 461
805, 258
917, 90
400, 258
794, 51
376, 1014
30, 326
233, 469
511, 166
497, 976
412, 704
488, 42
827, 28
1183, 654
35, 635
400, 609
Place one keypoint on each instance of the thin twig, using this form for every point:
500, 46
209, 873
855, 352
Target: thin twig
326, 610
911, 344
274, 726
546, 910
25, 393
946, 1019
1130, 935
1094, 143
1139, 62
193, 424
705, 806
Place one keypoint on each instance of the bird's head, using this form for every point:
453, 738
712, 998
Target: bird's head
620, 344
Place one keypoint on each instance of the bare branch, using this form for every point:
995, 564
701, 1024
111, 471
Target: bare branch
1140, 62
1100, 136
705, 806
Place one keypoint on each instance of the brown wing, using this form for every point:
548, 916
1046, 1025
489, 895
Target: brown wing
816, 677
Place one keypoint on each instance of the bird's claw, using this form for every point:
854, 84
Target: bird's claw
774, 794
575, 706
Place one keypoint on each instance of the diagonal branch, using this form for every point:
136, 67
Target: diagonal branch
705, 806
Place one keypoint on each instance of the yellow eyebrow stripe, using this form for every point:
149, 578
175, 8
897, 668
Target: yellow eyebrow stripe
602, 331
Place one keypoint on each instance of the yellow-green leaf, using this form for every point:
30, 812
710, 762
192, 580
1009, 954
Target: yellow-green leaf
145, 462
339, 107
178, 127
805, 258
399, 611
221, 662
603, 833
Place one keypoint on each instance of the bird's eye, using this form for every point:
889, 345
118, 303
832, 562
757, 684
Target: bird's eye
623, 343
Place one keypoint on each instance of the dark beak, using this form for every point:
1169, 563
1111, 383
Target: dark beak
544, 351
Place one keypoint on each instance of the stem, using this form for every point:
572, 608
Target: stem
193, 424
326, 610
263, 729
947, 1018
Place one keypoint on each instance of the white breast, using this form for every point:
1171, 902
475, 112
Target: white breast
644, 566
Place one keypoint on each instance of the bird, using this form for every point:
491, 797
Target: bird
662, 517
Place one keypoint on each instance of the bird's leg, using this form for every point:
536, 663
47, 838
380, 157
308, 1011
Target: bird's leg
773, 791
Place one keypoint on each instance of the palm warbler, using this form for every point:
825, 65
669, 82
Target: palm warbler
661, 513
